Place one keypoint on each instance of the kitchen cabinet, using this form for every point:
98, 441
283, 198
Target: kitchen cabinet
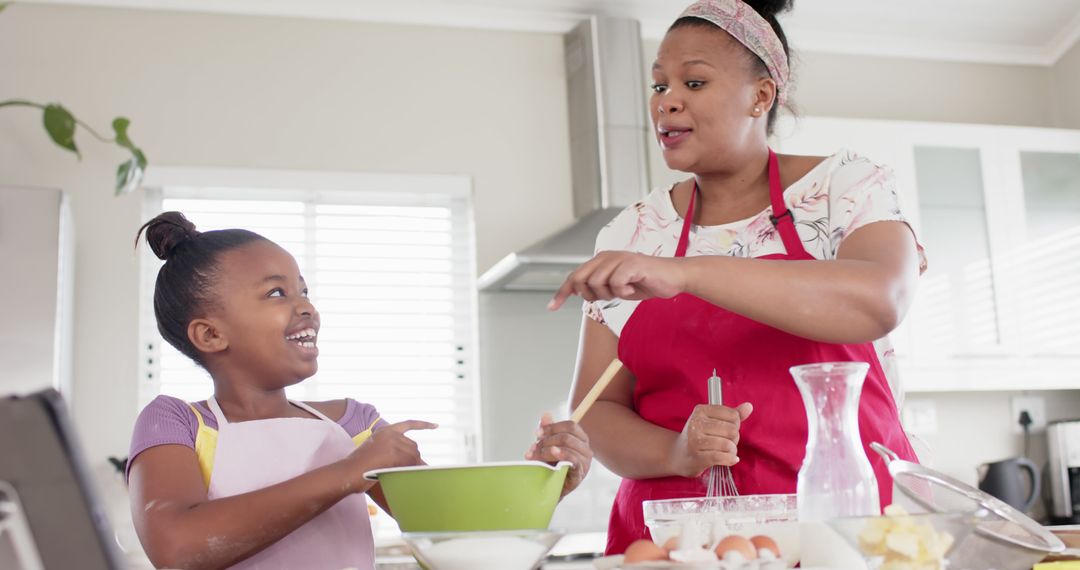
998, 210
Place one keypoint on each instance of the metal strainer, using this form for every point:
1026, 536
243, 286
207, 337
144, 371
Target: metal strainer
1004, 539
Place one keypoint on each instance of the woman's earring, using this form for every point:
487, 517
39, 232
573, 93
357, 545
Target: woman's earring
757, 111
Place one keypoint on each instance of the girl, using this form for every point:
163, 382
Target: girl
755, 263
248, 478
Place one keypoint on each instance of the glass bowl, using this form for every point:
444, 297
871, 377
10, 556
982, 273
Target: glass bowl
917, 541
503, 549
775, 516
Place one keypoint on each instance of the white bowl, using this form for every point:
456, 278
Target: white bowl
502, 549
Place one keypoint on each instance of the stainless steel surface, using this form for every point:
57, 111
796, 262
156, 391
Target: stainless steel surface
608, 154
1006, 539
716, 389
720, 481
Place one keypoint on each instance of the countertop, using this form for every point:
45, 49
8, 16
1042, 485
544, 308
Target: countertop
408, 563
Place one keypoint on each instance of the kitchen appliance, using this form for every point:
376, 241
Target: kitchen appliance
1005, 480
1004, 538
1063, 471
609, 165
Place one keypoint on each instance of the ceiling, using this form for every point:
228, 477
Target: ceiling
989, 31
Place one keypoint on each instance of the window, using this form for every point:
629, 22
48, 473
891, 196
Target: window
390, 265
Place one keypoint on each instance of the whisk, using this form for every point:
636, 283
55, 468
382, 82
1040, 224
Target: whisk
720, 481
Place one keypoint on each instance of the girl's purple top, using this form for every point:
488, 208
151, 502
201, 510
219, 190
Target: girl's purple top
169, 421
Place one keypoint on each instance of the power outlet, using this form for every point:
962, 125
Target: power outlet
1035, 407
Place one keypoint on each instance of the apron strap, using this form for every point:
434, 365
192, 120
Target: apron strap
785, 221
212, 403
312, 411
214, 407
684, 237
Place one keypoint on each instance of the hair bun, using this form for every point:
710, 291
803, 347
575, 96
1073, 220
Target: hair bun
167, 231
769, 8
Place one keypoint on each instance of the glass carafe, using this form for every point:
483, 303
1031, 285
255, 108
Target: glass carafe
835, 479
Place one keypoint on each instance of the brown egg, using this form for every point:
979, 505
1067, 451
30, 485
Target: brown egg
762, 542
736, 543
671, 544
643, 551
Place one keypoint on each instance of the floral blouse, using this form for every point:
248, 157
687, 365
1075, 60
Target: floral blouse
838, 196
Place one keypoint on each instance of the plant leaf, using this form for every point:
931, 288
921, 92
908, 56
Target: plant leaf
4, 5
130, 174
120, 126
61, 127
125, 175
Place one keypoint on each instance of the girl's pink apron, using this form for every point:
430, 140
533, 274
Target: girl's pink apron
256, 454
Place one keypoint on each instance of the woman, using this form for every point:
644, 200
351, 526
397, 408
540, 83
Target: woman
754, 264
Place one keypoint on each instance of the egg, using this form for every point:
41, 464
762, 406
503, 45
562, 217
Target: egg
736, 546
764, 544
671, 543
644, 551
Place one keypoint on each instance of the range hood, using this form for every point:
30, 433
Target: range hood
609, 162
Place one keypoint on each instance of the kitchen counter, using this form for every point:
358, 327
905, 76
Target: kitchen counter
408, 563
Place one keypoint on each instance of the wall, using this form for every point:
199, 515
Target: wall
30, 245
253, 92
834, 85
527, 360
1067, 87
861, 87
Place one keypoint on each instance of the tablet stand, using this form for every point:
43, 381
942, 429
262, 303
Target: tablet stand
17, 548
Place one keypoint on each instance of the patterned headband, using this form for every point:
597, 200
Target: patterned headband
751, 30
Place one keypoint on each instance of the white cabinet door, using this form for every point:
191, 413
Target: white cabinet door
1049, 270
998, 210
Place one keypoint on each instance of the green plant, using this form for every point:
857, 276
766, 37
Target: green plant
60, 124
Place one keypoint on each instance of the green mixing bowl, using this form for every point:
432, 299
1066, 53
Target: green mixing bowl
489, 496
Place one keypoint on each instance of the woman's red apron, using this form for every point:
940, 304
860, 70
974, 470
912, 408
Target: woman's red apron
673, 345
